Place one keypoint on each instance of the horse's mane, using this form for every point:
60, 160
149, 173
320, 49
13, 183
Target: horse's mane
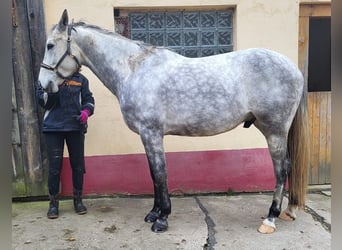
103, 31
91, 26
111, 33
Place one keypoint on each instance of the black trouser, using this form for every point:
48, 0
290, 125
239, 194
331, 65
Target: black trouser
55, 145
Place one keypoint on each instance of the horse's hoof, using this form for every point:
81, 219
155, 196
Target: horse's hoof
151, 217
159, 226
267, 227
287, 216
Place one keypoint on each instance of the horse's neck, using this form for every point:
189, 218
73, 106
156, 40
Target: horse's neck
107, 56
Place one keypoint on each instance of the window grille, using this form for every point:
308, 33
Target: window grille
190, 33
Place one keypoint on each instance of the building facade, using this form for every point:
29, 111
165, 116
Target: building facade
234, 161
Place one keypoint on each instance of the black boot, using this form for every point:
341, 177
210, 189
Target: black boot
53, 207
78, 205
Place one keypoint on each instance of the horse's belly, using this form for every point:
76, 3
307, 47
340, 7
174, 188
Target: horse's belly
204, 125
196, 131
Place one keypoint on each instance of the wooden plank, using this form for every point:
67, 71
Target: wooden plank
36, 24
26, 104
18, 176
326, 138
314, 132
322, 138
310, 117
315, 10
303, 42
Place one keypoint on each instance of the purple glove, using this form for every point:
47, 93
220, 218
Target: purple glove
84, 115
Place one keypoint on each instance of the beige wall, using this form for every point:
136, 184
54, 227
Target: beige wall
258, 23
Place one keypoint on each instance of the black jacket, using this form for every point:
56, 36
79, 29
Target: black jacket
62, 109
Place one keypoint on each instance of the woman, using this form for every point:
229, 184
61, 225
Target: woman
65, 120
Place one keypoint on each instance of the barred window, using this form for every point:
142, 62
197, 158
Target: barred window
190, 33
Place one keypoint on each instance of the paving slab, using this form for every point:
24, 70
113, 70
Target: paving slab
320, 204
111, 223
238, 217
197, 222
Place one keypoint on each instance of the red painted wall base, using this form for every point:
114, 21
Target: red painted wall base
188, 172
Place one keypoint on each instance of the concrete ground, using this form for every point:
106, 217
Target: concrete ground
197, 222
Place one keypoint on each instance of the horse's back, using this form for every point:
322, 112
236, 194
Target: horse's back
251, 80
259, 69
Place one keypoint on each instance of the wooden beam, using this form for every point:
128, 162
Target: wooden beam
315, 10
24, 85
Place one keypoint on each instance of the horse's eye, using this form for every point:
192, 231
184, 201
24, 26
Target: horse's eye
50, 46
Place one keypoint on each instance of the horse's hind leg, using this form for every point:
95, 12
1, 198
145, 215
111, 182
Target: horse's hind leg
153, 143
289, 213
278, 147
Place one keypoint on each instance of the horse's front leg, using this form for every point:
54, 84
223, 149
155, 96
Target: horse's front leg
153, 215
153, 143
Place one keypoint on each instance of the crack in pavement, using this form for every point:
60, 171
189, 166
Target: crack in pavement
319, 218
315, 215
211, 240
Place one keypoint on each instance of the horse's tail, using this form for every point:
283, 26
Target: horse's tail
298, 149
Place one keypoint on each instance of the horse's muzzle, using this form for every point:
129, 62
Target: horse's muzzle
49, 88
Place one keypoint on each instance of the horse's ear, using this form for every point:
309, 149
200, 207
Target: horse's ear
63, 23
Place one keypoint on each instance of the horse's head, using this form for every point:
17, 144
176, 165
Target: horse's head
60, 59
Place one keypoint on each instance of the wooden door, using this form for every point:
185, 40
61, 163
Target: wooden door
314, 23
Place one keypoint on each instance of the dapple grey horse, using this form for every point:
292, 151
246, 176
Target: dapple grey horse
163, 93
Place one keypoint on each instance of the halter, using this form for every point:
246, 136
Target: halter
66, 53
